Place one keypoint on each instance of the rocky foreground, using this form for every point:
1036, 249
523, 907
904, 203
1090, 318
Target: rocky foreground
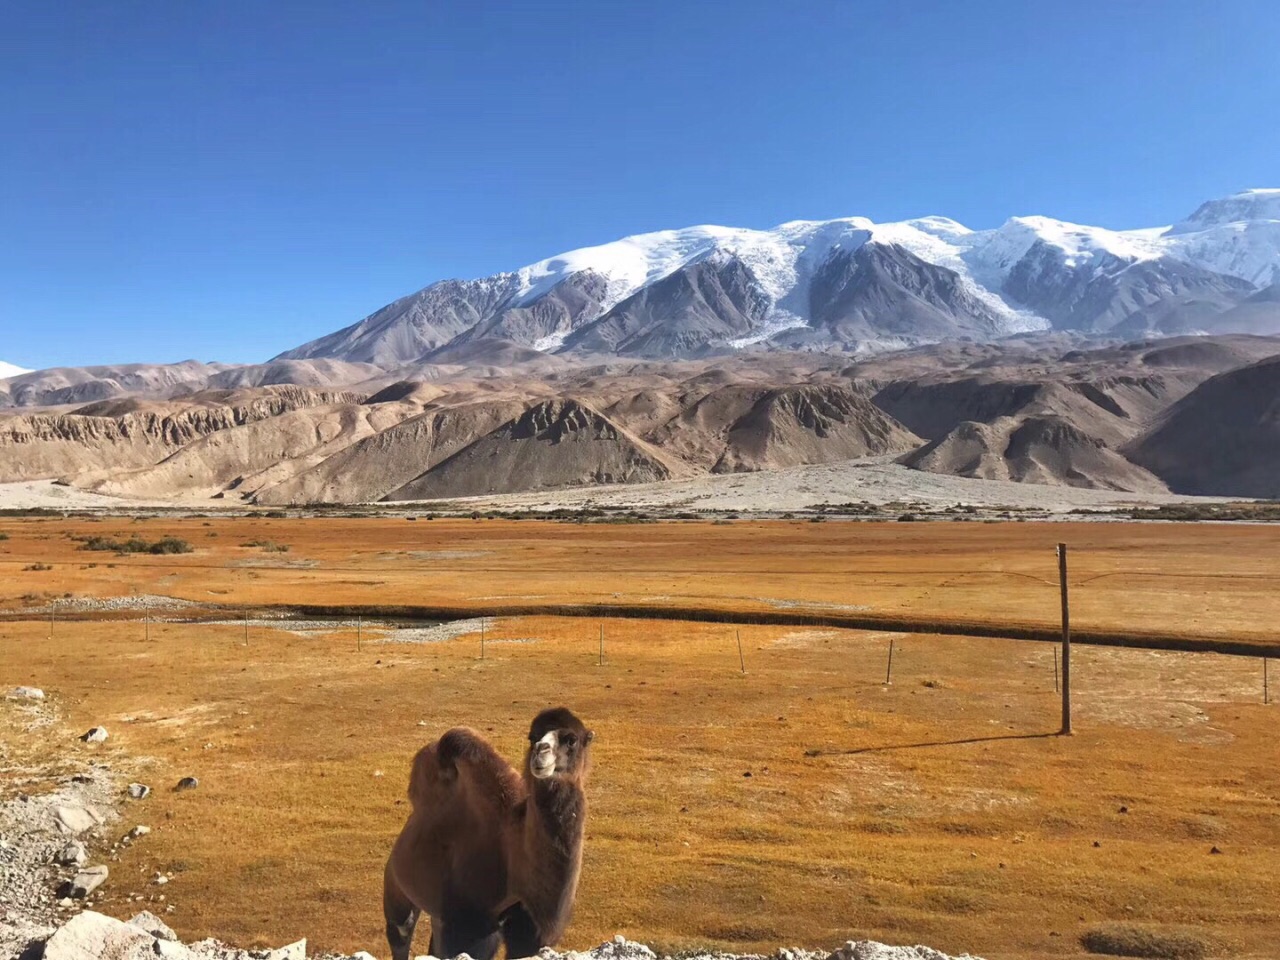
94, 936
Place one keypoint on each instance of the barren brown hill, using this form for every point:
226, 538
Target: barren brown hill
100, 440
375, 466
557, 443
809, 424
1223, 436
1032, 450
1048, 409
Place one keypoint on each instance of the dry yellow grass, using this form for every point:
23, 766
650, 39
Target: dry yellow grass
933, 810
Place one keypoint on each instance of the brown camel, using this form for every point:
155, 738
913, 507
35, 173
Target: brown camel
490, 854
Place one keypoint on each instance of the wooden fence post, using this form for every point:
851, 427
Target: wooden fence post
600, 662
888, 671
741, 662
1066, 641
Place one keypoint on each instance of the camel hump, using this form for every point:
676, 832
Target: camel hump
437, 766
461, 745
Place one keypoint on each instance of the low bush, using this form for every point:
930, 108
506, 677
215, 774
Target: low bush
1125, 940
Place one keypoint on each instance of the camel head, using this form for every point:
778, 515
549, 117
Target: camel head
559, 745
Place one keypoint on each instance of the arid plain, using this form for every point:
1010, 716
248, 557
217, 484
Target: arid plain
803, 802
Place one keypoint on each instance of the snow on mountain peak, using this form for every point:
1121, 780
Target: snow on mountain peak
9, 370
1247, 205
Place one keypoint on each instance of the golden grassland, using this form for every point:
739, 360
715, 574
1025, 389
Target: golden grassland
938, 809
1210, 580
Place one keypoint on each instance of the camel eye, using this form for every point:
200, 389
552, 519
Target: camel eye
569, 739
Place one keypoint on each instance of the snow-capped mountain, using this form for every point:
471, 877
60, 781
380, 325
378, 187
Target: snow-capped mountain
848, 284
9, 370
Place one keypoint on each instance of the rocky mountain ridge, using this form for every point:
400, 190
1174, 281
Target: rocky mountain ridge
1056, 409
848, 285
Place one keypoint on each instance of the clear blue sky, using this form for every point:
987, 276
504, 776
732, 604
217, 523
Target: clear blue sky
226, 180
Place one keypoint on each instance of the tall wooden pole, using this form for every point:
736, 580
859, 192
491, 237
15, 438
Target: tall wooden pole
741, 661
1066, 641
1266, 692
888, 670
1055, 669
600, 662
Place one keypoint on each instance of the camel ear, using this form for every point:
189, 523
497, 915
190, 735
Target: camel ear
591, 735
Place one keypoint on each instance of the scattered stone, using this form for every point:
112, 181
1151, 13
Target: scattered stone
71, 855
139, 831
26, 693
170, 950
139, 791
293, 951
1097, 844
94, 735
161, 880
153, 925
76, 820
187, 783
1214, 850
86, 881
90, 936
1124, 810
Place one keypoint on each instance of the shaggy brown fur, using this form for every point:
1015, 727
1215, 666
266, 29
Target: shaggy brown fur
490, 854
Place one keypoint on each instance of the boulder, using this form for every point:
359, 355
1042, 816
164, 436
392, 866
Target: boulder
71, 855
139, 791
171, 950
141, 830
292, 951
26, 693
86, 881
94, 735
153, 925
75, 819
92, 936
188, 783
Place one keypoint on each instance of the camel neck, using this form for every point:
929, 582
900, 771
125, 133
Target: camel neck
557, 811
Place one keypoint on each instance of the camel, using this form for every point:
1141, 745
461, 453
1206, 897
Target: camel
487, 853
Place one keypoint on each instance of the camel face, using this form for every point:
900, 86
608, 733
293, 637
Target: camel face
558, 745
543, 758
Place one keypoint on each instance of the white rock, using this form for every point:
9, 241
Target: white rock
94, 735
76, 820
153, 925
71, 855
870, 950
362, 955
139, 831
139, 791
170, 950
292, 951
92, 936
26, 693
88, 880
